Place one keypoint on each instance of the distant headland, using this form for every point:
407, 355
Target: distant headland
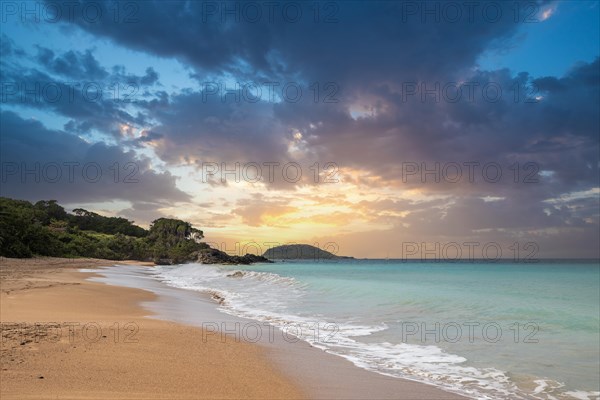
300, 252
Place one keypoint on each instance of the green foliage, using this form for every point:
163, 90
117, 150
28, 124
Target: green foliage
47, 210
173, 231
46, 229
21, 229
90, 221
173, 239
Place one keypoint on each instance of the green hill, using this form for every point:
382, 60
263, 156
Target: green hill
46, 229
300, 252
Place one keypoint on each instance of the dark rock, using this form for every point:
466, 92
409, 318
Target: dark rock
236, 274
214, 256
218, 298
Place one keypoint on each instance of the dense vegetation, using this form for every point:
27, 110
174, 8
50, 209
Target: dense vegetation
46, 229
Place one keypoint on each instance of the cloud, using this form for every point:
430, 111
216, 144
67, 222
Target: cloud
261, 211
212, 40
510, 224
74, 85
375, 96
40, 163
72, 64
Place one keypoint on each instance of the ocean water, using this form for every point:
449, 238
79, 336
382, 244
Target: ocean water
487, 330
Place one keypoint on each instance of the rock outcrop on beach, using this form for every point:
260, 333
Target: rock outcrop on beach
300, 252
214, 256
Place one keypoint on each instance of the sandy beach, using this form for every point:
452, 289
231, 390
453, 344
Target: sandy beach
64, 336
148, 359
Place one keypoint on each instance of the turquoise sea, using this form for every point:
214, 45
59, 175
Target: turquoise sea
488, 330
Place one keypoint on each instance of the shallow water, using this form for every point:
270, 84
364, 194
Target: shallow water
487, 330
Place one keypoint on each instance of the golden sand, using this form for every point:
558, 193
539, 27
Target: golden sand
68, 338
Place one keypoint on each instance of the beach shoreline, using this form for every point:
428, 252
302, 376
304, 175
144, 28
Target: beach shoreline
134, 357
139, 357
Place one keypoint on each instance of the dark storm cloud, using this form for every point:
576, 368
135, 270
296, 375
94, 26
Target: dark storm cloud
120, 74
89, 104
370, 50
388, 39
197, 128
559, 131
365, 48
72, 64
74, 84
9, 48
40, 163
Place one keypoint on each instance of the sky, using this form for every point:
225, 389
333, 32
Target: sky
370, 129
